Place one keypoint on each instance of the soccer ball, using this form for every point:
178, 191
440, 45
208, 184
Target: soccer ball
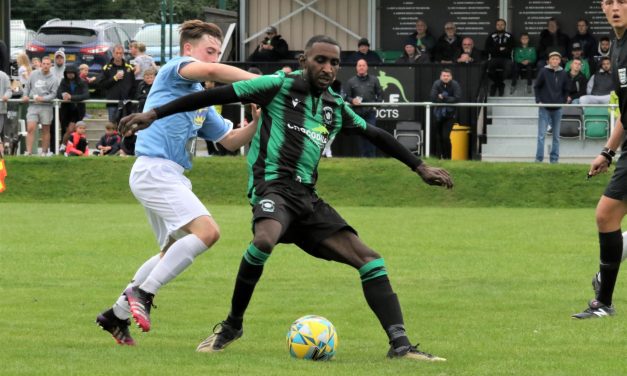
312, 337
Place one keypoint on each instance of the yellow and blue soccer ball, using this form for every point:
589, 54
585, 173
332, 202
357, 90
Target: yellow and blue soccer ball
312, 337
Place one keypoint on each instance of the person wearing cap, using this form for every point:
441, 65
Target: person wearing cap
72, 90
413, 55
449, 46
551, 87
583, 36
59, 64
272, 48
576, 52
364, 52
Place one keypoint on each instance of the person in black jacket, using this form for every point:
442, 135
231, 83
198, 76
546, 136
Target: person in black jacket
272, 48
444, 90
73, 91
587, 41
578, 82
552, 86
552, 39
118, 81
449, 46
421, 38
143, 89
499, 47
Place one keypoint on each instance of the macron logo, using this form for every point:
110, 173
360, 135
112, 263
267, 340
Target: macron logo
295, 102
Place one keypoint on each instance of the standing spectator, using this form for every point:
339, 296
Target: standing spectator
36, 63
499, 47
41, 88
444, 90
109, 143
143, 89
525, 62
577, 53
117, 80
364, 88
469, 53
578, 82
587, 41
142, 61
59, 64
603, 51
552, 39
272, 48
600, 85
73, 91
24, 68
421, 38
552, 86
6, 93
364, 52
77, 143
449, 46
412, 55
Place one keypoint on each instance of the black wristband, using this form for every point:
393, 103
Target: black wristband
607, 156
609, 151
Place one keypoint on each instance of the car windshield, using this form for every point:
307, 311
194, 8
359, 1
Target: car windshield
151, 37
66, 35
18, 38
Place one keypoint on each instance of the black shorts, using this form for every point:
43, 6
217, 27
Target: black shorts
308, 219
617, 188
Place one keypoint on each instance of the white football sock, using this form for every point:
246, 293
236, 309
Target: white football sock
176, 259
121, 309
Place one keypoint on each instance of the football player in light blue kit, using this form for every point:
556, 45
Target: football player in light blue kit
183, 226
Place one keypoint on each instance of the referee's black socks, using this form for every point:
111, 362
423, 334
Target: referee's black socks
611, 244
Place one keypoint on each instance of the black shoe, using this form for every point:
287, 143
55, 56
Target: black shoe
220, 339
412, 352
140, 303
501, 90
512, 89
596, 283
529, 89
595, 309
117, 327
493, 90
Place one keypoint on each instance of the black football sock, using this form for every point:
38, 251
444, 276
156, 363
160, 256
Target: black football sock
611, 244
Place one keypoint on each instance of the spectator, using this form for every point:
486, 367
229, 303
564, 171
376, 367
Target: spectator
412, 55
109, 143
552, 39
600, 85
286, 69
36, 63
603, 51
73, 91
77, 143
59, 64
585, 39
364, 88
24, 68
449, 46
143, 89
525, 61
117, 80
364, 52
6, 92
41, 88
578, 82
444, 90
272, 48
577, 53
469, 53
127, 145
421, 38
83, 70
499, 47
4, 57
552, 86
142, 61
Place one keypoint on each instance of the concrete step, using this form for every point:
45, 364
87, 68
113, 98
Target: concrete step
514, 120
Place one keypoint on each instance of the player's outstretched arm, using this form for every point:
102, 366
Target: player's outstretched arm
226, 74
602, 162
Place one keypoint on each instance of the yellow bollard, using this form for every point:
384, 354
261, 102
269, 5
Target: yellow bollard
460, 141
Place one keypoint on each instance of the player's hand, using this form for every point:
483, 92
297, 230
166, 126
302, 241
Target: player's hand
598, 165
255, 112
435, 176
136, 122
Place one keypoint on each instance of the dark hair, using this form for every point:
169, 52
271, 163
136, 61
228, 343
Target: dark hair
584, 20
578, 58
501, 19
604, 38
321, 39
446, 70
603, 58
524, 34
195, 29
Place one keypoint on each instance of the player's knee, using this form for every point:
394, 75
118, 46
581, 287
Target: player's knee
209, 235
263, 243
605, 220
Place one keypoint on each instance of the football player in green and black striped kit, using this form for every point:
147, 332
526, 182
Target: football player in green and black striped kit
300, 114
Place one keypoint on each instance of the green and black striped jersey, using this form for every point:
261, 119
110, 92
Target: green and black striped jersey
294, 128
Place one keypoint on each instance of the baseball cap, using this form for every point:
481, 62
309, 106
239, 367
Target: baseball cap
555, 53
59, 53
363, 42
271, 30
576, 46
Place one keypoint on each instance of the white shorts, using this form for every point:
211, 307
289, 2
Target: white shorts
166, 194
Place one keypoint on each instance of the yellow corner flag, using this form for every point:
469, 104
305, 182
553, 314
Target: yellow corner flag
3, 174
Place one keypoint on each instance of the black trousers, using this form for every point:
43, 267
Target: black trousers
442, 133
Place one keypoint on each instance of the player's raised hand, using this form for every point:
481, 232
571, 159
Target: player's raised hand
137, 121
435, 176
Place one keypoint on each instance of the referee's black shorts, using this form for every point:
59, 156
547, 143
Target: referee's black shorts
617, 187
308, 219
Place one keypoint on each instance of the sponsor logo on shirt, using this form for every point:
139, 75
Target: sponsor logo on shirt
319, 135
267, 205
295, 102
327, 115
200, 116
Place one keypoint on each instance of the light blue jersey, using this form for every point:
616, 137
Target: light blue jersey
173, 137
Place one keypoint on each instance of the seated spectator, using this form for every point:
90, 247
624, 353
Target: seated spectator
600, 85
83, 73
449, 46
499, 46
603, 51
73, 91
109, 143
421, 38
77, 143
525, 59
127, 145
587, 41
578, 82
552, 39
364, 52
412, 55
286, 69
577, 53
272, 48
143, 89
469, 53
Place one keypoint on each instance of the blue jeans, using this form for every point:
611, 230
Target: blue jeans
553, 118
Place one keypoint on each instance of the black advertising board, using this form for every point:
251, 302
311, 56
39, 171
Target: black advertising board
532, 15
474, 18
